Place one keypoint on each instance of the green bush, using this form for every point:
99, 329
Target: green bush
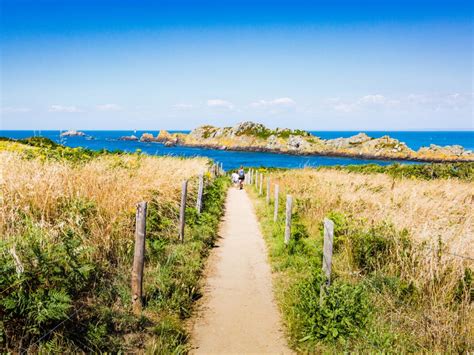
372, 248
344, 312
341, 229
56, 270
464, 171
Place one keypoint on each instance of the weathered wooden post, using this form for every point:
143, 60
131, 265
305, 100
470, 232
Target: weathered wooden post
268, 192
289, 208
200, 191
139, 257
222, 168
182, 210
327, 255
275, 211
260, 189
250, 177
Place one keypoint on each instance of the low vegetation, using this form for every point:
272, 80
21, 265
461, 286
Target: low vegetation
402, 265
464, 171
67, 224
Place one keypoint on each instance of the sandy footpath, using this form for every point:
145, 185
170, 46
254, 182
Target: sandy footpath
237, 314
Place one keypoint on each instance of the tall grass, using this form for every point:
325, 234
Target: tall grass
394, 245
67, 226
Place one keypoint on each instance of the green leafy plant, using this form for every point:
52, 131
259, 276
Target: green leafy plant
343, 312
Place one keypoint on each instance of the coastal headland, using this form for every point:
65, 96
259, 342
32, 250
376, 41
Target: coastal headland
255, 137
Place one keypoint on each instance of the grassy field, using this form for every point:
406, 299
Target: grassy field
67, 225
398, 284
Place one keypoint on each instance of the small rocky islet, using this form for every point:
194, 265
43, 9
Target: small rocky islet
250, 136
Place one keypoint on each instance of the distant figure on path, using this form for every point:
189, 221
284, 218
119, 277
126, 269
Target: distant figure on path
241, 176
235, 178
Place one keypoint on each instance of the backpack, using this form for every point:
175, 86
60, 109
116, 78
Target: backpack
241, 173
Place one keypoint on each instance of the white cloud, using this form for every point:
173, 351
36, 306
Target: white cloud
15, 109
435, 102
281, 102
373, 99
61, 108
220, 104
182, 107
109, 107
342, 107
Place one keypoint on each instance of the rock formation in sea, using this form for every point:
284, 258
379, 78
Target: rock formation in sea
249, 136
129, 138
72, 133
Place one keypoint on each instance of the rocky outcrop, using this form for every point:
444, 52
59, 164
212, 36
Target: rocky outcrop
167, 138
128, 138
343, 143
147, 137
73, 133
298, 143
449, 150
249, 136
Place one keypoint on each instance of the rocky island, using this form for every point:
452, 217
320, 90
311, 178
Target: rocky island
249, 136
73, 133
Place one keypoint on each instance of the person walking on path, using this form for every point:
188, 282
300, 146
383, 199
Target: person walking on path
241, 176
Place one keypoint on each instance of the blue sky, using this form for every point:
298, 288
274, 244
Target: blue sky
322, 65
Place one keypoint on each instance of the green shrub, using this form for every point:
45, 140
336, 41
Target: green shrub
344, 312
464, 171
56, 270
372, 248
465, 287
341, 229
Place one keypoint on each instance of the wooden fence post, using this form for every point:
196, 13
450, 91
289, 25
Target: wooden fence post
327, 255
268, 192
250, 177
256, 178
275, 210
289, 208
139, 257
260, 189
200, 191
182, 210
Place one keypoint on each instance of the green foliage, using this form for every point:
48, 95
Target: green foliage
341, 229
343, 313
170, 337
79, 298
465, 287
56, 269
371, 248
463, 171
404, 291
46, 149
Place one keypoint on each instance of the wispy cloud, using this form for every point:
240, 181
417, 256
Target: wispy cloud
109, 107
183, 107
279, 102
61, 108
436, 102
15, 109
220, 104
367, 102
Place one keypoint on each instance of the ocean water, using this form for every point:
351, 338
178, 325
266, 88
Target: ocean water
110, 140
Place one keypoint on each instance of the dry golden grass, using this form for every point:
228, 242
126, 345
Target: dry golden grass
430, 211
114, 184
427, 209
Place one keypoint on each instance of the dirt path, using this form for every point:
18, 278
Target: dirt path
238, 313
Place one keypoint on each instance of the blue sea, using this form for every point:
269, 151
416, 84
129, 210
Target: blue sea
110, 140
